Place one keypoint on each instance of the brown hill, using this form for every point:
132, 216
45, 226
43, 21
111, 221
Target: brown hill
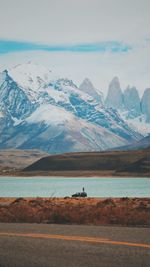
118, 162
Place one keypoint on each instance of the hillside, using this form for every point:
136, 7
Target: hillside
18, 159
97, 163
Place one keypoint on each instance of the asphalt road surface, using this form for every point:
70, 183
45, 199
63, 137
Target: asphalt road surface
43, 245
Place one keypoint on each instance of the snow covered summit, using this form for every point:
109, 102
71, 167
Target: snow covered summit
40, 111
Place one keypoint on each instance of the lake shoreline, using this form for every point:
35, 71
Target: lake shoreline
74, 174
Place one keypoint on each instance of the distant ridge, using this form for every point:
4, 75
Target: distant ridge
143, 143
117, 162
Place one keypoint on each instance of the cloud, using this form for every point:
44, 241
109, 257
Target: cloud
95, 38
7, 46
132, 67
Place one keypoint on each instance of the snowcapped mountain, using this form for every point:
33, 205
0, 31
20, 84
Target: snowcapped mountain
31, 77
38, 110
132, 109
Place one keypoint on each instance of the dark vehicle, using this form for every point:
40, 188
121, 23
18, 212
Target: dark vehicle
80, 194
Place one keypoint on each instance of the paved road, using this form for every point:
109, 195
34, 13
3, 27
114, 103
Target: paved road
30, 245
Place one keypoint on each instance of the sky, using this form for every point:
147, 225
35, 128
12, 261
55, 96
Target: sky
98, 39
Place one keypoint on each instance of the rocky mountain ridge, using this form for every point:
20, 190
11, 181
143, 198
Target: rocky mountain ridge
40, 111
135, 111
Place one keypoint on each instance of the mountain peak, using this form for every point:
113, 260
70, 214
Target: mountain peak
4, 76
87, 81
88, 88
30, 75
147, 91
131, 89
115, 96
115, 79
28, 67
132, 102
145, 104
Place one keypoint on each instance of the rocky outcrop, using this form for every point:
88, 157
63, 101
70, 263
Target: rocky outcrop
115, 96
145, 104
87, 87
132, 102
13, 98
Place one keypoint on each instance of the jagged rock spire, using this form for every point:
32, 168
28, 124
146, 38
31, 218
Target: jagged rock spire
115, 96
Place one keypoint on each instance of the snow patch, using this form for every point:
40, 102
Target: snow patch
50, 114
138, 124
58, 96
16, 121
30, 75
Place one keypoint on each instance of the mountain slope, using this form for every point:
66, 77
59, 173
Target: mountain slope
58, 131
141, 144
42, 112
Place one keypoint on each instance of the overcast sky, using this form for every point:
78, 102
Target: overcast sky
98, 39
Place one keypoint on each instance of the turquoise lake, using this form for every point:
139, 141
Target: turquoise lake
61, 187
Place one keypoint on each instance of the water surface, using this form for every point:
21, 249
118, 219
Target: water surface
61, 187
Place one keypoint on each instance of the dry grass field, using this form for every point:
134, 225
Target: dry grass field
95, 211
